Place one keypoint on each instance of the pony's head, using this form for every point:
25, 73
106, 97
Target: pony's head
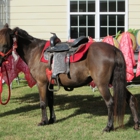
7, 37
6, 42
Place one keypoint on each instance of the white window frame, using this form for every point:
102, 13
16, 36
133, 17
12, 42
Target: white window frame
4, 10
97, 14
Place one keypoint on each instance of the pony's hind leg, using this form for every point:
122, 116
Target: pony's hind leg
50, 98
132, 101
105, 92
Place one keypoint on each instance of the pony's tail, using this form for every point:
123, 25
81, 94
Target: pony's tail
119, 87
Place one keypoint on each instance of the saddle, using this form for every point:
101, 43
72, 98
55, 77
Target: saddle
62, 50
57, 46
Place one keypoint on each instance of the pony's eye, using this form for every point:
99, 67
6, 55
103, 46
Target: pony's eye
5, 46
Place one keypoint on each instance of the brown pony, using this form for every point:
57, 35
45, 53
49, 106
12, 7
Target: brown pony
102, 63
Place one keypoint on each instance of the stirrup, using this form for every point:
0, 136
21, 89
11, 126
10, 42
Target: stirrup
57, 83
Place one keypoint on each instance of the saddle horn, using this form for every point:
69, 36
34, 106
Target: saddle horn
54, 40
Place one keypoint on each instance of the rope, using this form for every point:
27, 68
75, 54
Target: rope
9, 95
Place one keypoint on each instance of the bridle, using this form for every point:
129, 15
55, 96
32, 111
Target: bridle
9, 52
4, 56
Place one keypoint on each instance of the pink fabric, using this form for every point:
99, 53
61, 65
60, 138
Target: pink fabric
109, 40
127, 50
92, 84
138, 66
14, 67
90, 39
71, 40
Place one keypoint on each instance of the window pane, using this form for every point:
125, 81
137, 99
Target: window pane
112, 6
82, 31
82, 6
82, 20
112, 20
84, 24
120, 20
120, 29
103, 32
91, 6
74, 20
91, 32
121, 6
91, 20
74, 32
103, 6
73, 6
112, 31
103, 20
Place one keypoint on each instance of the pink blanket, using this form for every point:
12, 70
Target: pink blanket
14, 67
127, 50
109, 40
138, 66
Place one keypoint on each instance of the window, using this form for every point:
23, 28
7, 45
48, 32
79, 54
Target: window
97, 18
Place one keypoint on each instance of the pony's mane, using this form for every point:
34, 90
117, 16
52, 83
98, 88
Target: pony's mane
22, 33
5, 35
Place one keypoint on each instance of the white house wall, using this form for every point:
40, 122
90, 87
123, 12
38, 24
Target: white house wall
134, 14
40, 17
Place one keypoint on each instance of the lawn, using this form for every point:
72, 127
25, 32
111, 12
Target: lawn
81, 115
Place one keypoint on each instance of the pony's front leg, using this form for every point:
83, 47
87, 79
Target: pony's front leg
132, 101
43, 104
50, 98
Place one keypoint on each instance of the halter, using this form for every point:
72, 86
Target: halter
14, 47
5, 55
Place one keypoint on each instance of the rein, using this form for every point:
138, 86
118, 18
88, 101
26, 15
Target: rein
5, 55
9, 95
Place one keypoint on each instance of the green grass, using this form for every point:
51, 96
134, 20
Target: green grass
81, 115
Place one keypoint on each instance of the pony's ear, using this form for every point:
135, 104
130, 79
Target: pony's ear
6, 25
15, 31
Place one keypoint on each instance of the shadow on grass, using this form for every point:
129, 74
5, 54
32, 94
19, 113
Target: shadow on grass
28, 98
83, 104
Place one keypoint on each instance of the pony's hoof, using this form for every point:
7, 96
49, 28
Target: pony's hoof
52, 120
136, 126
42, 123
108, 129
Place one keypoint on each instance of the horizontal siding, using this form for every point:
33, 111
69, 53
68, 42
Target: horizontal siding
40, 17
47, 35
40, 29
39, 22
44, 32
134, 8
134, 21
135, 2
133, 14
38, 9
57, 16
37, 2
